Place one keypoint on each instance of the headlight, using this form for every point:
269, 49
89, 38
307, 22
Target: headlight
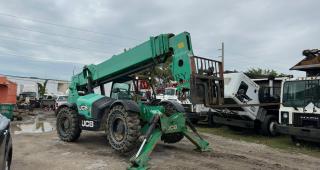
284, 117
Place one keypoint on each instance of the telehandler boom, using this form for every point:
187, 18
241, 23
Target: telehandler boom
127, 121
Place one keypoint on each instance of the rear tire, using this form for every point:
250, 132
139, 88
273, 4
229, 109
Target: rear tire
68, 125
267, 126
123, 129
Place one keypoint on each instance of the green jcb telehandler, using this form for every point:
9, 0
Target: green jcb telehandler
129, 122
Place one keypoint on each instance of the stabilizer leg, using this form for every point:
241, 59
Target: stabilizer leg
202, 145
140, 160
196, 139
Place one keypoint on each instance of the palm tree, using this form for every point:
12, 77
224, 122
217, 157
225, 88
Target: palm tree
42, 88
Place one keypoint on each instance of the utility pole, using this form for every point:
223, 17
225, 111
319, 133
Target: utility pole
222, 55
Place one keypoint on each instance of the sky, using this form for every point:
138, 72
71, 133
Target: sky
54, 39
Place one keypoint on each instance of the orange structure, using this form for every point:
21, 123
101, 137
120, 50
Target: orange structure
8, 91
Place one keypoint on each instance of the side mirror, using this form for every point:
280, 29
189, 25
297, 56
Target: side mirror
115, 90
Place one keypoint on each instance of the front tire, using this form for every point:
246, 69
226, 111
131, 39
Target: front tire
267, 126
68, 125
123, 129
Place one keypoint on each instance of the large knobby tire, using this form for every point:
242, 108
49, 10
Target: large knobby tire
68, 125
267, 126
123, 129
171, 137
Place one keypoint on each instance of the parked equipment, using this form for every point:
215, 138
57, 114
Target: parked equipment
248, 105
28, 97
299, 114
126, 121
8, 97
48, 101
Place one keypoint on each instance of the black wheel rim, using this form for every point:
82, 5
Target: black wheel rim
272, 127
118, 129
65, 124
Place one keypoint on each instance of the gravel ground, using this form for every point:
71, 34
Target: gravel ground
37, 150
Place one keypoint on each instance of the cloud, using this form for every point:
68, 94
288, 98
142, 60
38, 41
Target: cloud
267, 34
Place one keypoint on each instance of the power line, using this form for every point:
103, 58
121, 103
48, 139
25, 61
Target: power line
48, 44
28, 57
33, 79
66, 26
55, 34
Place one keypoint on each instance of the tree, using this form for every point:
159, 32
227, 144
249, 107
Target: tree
230, 71
263, 73
42, 88
160, 74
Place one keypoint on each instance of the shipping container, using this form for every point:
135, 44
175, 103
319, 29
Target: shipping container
8, 97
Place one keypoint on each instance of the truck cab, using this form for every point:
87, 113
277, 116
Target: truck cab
170, 93
246, 105
299, 114
240, 89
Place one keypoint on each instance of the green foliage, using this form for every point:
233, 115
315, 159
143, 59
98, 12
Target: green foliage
263, 73
42, 88
160, 74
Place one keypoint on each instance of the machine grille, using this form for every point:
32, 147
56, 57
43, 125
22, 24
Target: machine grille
306, 120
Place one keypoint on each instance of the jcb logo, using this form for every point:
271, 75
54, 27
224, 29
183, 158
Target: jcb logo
83, 107
87, 123
173, 127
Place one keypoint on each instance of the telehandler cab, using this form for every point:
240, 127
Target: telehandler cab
128, 122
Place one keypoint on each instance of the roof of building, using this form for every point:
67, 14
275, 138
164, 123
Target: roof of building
34, 78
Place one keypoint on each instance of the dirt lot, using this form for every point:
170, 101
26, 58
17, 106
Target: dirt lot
45, 151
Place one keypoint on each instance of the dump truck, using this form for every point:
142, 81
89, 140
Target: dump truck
248, 105
299, 114
128, 122
8, 97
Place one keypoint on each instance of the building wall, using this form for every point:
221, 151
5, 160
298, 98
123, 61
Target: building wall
30, 84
